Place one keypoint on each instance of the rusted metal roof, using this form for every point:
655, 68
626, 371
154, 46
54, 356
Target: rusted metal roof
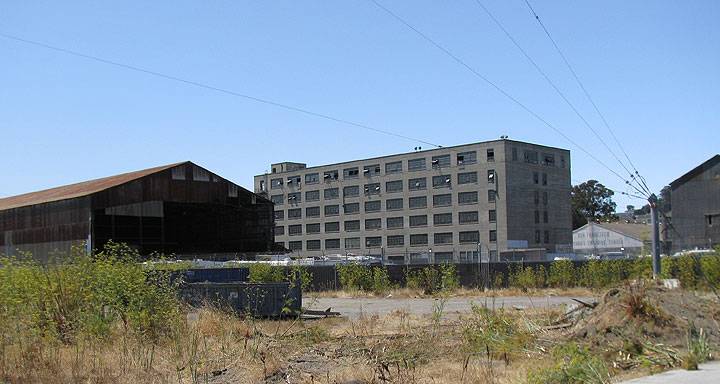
79, 189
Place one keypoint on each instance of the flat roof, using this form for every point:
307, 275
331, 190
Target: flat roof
407, 153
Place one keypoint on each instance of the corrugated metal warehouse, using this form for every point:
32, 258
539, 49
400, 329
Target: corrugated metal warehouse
178, 209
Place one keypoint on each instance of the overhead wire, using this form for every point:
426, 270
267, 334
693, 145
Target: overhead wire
642, 181
555, 87
214, 88
497, 88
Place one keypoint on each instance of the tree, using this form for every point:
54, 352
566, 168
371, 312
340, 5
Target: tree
591, 201
663, 203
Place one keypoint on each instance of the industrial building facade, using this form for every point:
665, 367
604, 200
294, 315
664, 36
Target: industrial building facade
180, 209
696, 207
506, 198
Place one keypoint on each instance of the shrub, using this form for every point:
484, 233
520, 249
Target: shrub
355, 277
306, 277
380, 280
562, 274
526, 278
495, 333
449, 279
265, 273
687, 271
575, 365
86, 294
710, 267
432, 280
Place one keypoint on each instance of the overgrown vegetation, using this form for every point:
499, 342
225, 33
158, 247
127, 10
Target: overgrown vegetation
357, 277
575, 365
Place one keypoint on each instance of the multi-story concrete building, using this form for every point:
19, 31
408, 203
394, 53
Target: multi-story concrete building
505, 198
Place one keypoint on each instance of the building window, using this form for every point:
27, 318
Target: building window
293, 181
352, 243
394, 222
200, 174
419, 239
467, 177
441, 161
277, 199
416, 164
417, 184
331, 193
492, 215
537, 217
442, 200
330, 175
279, 215
468, 217
537, 236
332, 226
514, 154
709, 220
294, 198
469, 237
393, 204
295, 245
372, 189
536, 178
279, 230
545, 216
490, 155
464, 158
536, 197
396, 241
562, 161
443, 238
312, 212
442, 219
295, 230
312, 245
352, 226
546, 237
548, 159
545, 198
418, 221
178, 173
371, 170
312, 228
531, 157
351, 173
394, 186
373, 242
312, 178
491, 195
312, 196
544, 178
443, 257
491, 176
468, 197
351, 191
373, 224
280, 245
295, 213
332, 210
492, 235
372, 206
417, 202
351, 208
332, 243
441, 181
394, 167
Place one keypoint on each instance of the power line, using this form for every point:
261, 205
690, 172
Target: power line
590, 99
552, 84
492, 84
214, 88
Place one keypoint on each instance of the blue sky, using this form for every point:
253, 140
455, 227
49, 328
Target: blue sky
653, 68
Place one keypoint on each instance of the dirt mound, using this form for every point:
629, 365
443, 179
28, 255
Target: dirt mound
644, 313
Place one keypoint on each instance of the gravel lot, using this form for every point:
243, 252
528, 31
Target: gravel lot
354, 307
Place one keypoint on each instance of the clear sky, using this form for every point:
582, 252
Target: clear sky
653, 68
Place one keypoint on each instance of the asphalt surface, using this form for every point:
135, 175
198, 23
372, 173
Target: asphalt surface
709, 373
355, 307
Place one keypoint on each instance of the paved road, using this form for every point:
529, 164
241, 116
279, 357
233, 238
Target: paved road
709, 373
354, 307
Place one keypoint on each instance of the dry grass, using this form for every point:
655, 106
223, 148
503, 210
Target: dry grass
402, 293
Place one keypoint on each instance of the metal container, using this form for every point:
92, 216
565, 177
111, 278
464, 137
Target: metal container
246, 299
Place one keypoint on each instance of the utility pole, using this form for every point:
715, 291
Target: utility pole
652, 200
